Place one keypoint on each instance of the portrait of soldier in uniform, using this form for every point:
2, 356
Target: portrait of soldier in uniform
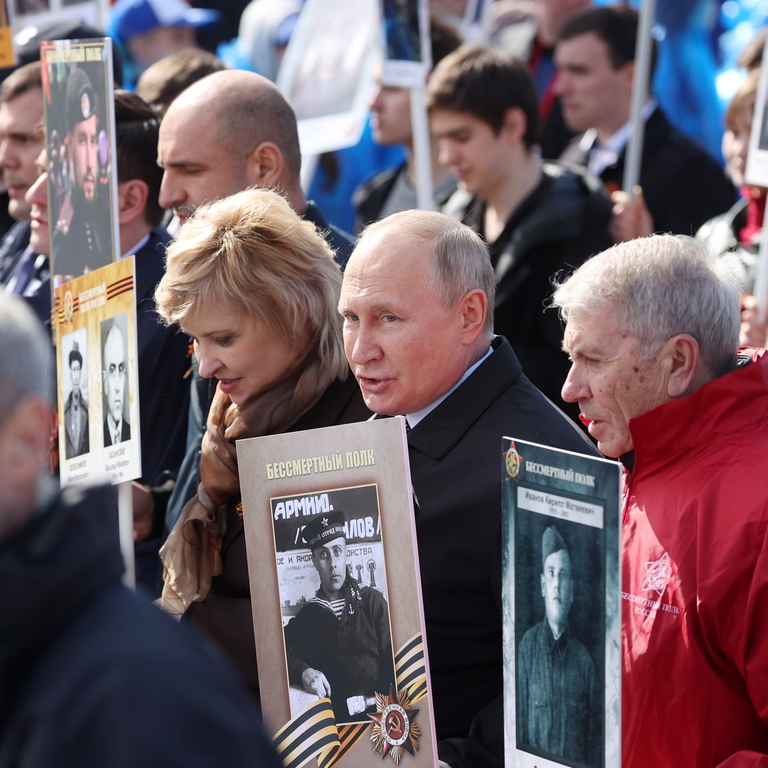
558, 695
76, 407
339, 644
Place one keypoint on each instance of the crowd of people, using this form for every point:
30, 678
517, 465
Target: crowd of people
538, 299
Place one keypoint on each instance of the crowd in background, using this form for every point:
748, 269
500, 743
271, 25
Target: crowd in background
528, 106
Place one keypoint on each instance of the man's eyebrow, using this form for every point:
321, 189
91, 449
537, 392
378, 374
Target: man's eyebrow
179, 163
453, 132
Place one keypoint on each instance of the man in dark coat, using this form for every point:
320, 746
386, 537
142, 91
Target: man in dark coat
92, 674
418, 334
229, 131
683, 186
538, 219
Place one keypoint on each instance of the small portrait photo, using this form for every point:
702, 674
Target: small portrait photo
333, 595
401, 25
74, 376
559, 638
114, 379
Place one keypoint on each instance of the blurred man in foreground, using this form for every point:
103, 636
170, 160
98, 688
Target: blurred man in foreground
92, 674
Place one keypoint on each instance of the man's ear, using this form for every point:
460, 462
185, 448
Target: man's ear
131, 200
474, 306
264, 166
628, 75
26, 435
682, 360
515, 123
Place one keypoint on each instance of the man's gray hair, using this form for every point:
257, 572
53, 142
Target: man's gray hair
460, 259
25, 355
658, 287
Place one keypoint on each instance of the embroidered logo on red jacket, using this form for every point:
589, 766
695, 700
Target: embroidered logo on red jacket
657, 574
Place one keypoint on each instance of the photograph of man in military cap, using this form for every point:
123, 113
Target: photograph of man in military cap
339, 644
558, 704
76, 405
81, 241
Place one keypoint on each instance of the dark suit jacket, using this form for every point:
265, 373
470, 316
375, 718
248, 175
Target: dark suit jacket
554, 230
125, 433
341, 242
163, 355
13, 245
455, 457
682, 184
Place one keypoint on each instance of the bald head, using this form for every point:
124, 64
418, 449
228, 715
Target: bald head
248, 109
228, 131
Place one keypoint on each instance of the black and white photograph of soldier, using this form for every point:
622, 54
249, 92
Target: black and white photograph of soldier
114, 369
338, 643
559, 702
75, 384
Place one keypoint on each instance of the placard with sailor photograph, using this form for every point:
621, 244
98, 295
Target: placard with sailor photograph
561, 608
335, 590
80, 139
95, 321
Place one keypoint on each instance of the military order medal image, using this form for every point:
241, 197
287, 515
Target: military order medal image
395, 731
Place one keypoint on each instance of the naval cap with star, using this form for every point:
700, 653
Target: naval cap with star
324, 528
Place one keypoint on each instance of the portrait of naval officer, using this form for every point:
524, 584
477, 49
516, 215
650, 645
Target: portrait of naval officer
558, 701
339, 644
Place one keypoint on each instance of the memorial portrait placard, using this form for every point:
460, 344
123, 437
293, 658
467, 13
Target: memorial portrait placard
327, 72
94, 320
561, 608
79, 113
336, 596
406, 44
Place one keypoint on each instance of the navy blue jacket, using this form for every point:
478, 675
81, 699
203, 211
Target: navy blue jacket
91, 673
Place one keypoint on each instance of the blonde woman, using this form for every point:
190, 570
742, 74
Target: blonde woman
256, 289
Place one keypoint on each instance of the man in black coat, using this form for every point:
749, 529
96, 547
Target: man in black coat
683, 186
538, 219
418, 334
91, 673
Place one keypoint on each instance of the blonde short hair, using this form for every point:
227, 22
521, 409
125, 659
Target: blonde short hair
251, 253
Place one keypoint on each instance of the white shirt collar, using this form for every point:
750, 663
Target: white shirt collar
607, 153
415, 418
136, 248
